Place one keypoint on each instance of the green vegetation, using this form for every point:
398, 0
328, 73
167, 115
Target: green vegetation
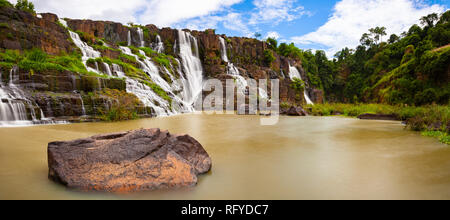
442, 136
269, 57
37, 61
125, 107
160, 58
430, 119
25, 5
299, 86
159, 91
408, 69
5, 3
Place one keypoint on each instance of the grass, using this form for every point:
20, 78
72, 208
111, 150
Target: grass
442, 136
159, 91
430, 120
37, 61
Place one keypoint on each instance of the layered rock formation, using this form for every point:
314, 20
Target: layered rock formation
113, 54
146, 159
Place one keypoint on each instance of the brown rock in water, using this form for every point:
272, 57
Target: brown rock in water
392, 117
296, 111
146, 159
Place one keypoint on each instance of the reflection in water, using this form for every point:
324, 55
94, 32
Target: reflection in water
300, 158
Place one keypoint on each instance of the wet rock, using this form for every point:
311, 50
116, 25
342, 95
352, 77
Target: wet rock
296, 111
392, 117
146, 159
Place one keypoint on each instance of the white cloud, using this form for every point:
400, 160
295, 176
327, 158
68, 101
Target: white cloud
352, 18
115, 10
168, 12
276, 11
273, 34
159, 12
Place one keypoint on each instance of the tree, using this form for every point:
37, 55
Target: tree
366, 40
378, 34
429, 20
269, 57
298, 85
25, 5
258, 35
393, 38
273, 43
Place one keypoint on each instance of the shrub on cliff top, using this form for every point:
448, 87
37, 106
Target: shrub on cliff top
5, 3
25, 5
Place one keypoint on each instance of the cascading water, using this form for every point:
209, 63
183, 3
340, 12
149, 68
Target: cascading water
192, 66
294, 73
233, 70
177, 105
129, 38
159, 45
15, 108
117, 71
190, 86
141, 37
108, 69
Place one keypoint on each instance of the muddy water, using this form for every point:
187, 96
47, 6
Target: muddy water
300, 158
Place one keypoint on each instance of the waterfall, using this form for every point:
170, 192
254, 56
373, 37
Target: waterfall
224, 49
141, 37
232, 70
190, 86
87, 51
178, 105
158, 46
83, 109
294, 73
129, 38
117, 70
192, 66
15, 107
108, 69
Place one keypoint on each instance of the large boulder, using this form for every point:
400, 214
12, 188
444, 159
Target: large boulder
146, 159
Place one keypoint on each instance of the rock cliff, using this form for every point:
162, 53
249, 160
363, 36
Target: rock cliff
142, 61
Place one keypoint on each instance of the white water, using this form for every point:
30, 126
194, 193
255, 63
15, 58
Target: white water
129, 38
87, 51
108, 69
294, 73
117, 71
158, 46
232, 70
192, 66
14, 104
141, 37
83, 109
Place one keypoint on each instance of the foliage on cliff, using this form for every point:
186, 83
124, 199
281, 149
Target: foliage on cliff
409, 69
123, 107
38, 61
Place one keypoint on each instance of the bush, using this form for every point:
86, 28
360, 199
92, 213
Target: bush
269, 57
124, 107
25, 5
5, 3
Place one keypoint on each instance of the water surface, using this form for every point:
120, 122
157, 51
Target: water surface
300, 158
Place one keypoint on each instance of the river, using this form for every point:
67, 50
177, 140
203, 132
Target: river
299, 158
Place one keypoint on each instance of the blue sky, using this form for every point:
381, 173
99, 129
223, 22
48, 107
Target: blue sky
310, 24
